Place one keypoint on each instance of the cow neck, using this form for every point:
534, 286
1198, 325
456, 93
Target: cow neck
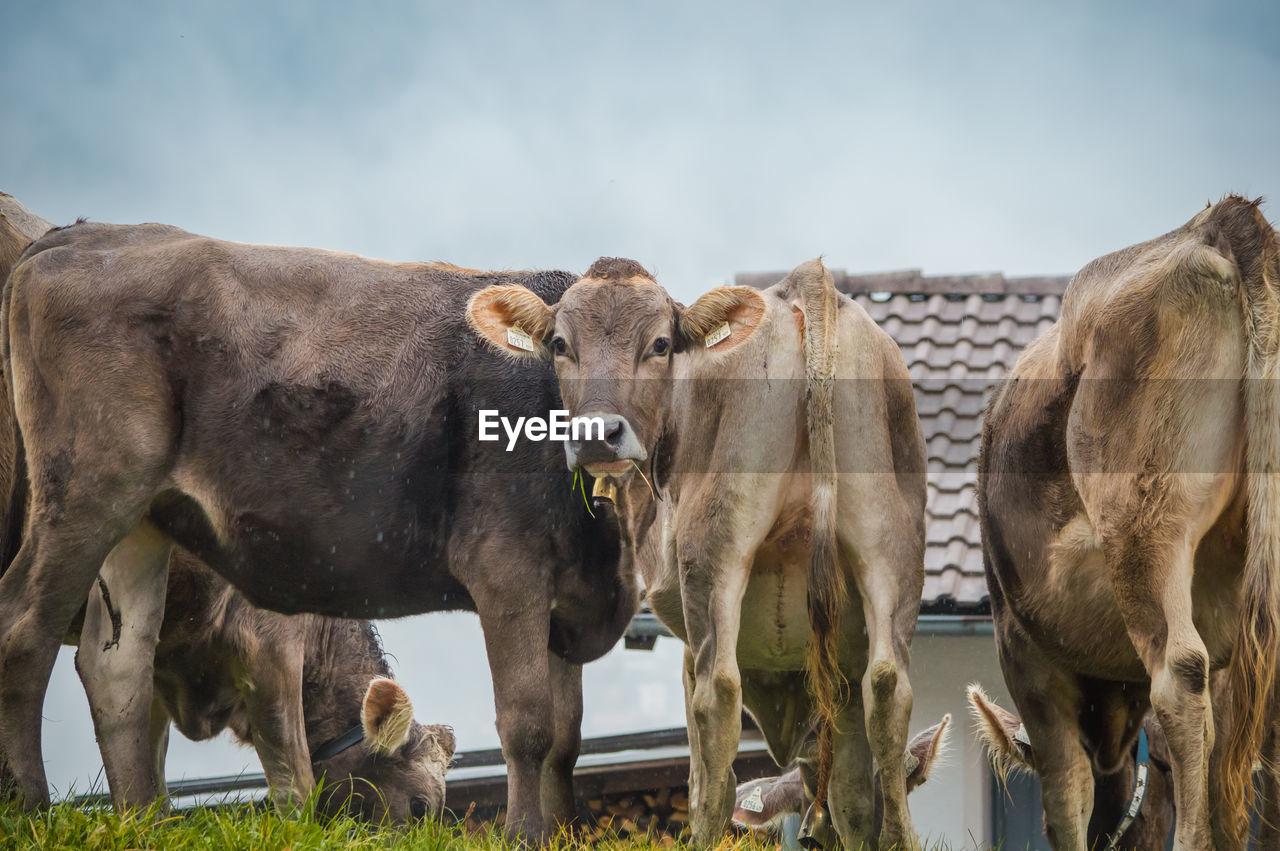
343, 657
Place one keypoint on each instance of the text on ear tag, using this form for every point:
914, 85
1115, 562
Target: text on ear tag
754, 803
519, 339
721, 332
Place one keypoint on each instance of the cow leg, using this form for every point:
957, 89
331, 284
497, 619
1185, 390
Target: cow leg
517, 623
851, 793
889, 576
1153, 586
272, 692
159, 739
116, 658
558, 806
40, 593
712, 592
1049, 702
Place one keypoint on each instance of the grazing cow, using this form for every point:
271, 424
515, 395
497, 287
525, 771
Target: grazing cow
211, 671
304, 422
1130, 525
1010, 749
762, 811
774, 568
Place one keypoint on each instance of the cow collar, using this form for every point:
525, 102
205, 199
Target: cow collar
338, 744
1139, 792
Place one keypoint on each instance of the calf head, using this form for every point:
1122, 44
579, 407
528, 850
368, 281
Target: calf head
760, 805
1010, 750
612, 338
397, 772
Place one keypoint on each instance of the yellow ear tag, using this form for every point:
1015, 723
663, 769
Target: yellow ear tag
721, 332
518, 339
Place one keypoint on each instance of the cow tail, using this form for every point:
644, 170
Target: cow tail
826, 580
1253, 663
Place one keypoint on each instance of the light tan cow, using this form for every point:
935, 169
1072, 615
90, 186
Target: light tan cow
786, 547
1129, 505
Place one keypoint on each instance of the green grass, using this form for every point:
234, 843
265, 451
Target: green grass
66, 826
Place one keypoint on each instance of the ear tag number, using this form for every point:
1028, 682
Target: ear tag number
518, 339
754, 803
720, 333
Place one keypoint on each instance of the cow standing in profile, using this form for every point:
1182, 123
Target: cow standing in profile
1131, 521
213, 670
304, 422
786, 547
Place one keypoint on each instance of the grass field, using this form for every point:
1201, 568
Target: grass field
66, 826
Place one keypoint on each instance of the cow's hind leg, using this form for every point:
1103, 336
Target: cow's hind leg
889, 572
852, 786
1152, 577
1049, 702
116, 658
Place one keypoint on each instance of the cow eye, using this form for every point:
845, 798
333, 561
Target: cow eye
419, 807
559, 346
661, 345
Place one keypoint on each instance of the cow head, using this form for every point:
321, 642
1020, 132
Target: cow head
761, 804
612, 339
1011, 750
397, 773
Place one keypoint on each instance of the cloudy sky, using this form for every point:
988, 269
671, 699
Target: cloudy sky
699, 138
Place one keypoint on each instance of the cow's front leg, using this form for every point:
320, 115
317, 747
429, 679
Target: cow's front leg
712, 595
558, 807
271, 686
115, 661
517, 623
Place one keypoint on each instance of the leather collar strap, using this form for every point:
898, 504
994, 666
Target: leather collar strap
338, 744
1139, 792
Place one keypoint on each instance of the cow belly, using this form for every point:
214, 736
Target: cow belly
774, 631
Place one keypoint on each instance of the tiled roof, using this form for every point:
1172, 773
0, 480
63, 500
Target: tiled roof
958, 334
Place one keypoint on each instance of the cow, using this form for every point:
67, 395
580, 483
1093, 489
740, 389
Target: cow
762, 811
218, 666
209, 673
1130, 530
1010, 750
305, 422
775, 566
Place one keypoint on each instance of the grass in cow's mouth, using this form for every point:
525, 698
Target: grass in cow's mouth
580, 485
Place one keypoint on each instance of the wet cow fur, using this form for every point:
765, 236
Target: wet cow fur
305, 422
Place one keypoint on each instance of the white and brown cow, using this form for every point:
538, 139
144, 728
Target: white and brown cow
786, 543
1131, 520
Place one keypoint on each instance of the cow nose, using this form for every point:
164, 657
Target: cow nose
615, 429
603, 438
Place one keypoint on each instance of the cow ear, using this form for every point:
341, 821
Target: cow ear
1002, 734
387, 716
924, 750
721, 320
512, 319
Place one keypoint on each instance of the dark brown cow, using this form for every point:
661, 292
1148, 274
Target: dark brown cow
1130, 522
305, 422
221, 663
786, 578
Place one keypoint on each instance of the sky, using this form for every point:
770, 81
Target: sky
700, 139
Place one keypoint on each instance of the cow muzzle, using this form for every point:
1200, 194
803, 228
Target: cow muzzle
609, 448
